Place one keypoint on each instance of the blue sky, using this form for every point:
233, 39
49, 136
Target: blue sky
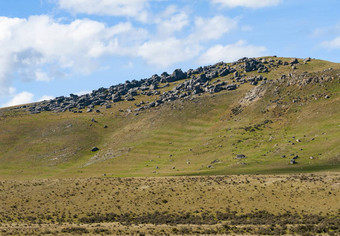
53, 48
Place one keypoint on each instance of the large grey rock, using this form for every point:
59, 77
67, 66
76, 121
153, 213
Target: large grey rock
240, 156
262, 69
202, 78
116, 98
212, 75
153, 86
224, 72
129, 98
178, 75
231, 87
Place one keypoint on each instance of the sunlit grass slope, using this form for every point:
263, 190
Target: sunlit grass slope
199, 136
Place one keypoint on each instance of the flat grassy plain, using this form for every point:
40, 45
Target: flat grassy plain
238, 204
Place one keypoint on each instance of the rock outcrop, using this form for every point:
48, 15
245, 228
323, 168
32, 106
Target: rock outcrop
192, 82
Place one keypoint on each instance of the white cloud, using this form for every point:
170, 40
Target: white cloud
129, 65
21, 98
12, 90
42, 76
173, 24
332, 44
24, 98
82, 92
171, 20
129, 8
327, 31
246, 28
247, 3
167, 52
231, 52
170, 50
330, 32
213, 28
45, 97
41, 48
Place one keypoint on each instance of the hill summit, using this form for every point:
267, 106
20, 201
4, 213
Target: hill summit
198, 81
255, 115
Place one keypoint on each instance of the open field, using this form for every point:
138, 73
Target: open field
245, 204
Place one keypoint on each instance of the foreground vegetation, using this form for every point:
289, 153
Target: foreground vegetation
246, 204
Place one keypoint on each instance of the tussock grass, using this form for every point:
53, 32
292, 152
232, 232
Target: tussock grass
246, 204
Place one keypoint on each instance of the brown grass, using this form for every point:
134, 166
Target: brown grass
240, 204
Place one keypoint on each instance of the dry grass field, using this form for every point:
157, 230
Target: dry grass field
175, 169
306, 204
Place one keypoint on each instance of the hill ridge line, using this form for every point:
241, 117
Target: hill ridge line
198, 81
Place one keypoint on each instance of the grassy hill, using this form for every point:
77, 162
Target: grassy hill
295, 115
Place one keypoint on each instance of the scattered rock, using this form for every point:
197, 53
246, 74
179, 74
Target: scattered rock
215, 161
306, 60
294, 61
231, 87
129, 98
240, 156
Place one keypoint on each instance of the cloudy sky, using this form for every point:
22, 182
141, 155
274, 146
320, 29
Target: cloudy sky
52, 48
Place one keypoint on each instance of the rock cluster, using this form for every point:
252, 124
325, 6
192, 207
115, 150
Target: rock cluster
197, 81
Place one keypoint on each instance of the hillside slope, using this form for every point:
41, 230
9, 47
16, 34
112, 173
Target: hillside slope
251, 116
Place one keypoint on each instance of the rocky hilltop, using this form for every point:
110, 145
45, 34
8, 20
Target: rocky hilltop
197, 81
